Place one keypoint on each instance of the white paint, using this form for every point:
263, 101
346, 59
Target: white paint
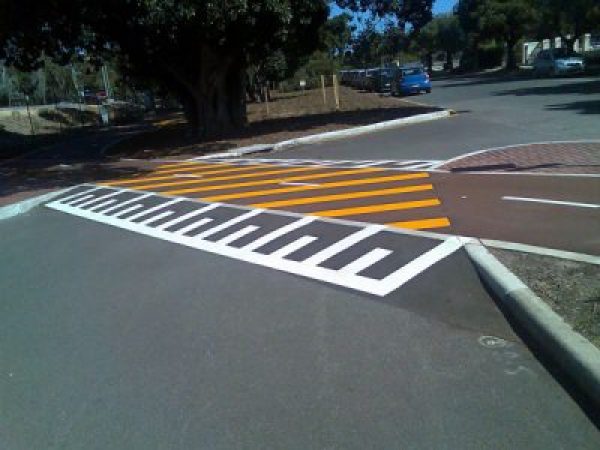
126, 202
366, 260
551, 202
155, 208
157, 217
291, 183
293, 246
97, 199
128, 210
562, 254
188, 216
343, 244
193, 226
102, 205
186, 175
80, 199
279, 232
229, 223
237, 234
68, 197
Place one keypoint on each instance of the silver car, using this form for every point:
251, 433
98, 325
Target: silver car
558, 61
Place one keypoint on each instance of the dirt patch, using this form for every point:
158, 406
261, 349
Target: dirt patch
289, 115
571, 289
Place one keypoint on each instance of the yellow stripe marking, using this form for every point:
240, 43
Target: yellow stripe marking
422, 224
202, 172
173, 165
198, 166
228, 177
376, 208
219, 187
334, 184
343, 196
143, 176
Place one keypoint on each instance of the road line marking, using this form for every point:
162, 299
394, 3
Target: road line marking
219, 187
80, 199
333, 184
438, 222
229, 223
189, 215
77, 194
298, 184
366, 260
277, 233
128, 210
102, 205
157, 217
343, 244
97, 199
126, 202
418, 265
551, 202
154, 208
377, 208
228, 177
198, 172
193, 226
344, 196
293, 246
153, 173
237, 234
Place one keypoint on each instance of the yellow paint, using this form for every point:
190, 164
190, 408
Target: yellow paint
343, 196
219, 187
174, 165
376, 208
207, 171
334, 184
144, 176
181, 182
424, 224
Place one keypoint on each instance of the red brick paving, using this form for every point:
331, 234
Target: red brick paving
573, 157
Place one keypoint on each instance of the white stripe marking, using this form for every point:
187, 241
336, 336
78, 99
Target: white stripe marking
68, 197
227, 224
154, 208
366, 260
157, 217
277, 233
102, 205
238, 234
293, 246
188, 216
551, 202
128, 210
126, 202
80, 199
343, 244
193, 226
97, 199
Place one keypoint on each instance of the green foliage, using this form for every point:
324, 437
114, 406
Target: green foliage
414, 12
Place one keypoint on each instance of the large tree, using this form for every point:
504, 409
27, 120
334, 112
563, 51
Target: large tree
415, 13
198, 50
569, 19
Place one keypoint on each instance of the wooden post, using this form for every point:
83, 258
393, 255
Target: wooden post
336, 92
323, 89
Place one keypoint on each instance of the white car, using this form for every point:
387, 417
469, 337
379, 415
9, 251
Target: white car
558, 61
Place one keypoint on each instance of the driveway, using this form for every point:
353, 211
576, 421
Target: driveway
492, 112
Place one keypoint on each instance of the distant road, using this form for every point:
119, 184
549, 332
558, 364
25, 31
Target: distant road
492, 112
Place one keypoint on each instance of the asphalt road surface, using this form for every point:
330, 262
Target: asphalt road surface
116, 339
491, 112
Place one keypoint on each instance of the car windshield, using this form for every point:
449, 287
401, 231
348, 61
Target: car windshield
412, 71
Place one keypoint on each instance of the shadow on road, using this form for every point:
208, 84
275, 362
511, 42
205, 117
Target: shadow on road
576, 87
583, 107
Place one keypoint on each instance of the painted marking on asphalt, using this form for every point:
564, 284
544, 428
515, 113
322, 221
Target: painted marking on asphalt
344, 196
551, 202
377, 208
295, 247
424, 224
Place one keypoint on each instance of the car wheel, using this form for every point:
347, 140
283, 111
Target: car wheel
428, 91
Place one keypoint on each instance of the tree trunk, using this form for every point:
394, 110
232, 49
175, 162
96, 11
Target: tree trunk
429, 61
449, 61
216, 102
511, 57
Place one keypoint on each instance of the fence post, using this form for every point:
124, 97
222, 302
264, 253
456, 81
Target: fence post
323, 89
336, 93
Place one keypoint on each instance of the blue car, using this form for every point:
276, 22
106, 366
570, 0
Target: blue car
411, 80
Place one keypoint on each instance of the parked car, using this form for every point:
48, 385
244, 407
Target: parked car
410, 80
558, 61
381, 79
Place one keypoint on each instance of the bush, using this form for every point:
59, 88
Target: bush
490, 57
592, 58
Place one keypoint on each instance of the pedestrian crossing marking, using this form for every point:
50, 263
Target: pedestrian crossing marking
333, 184
424, 224
344, 196
227, 177
219, 187
376, 208
383, 261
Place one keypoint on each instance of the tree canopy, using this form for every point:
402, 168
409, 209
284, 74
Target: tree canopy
196, 49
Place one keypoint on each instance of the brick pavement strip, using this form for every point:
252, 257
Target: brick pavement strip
552, 157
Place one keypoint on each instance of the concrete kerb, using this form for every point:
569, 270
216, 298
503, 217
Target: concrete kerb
578, 357
14, 209
331, 135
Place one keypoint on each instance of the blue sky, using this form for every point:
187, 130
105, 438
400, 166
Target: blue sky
439, 6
